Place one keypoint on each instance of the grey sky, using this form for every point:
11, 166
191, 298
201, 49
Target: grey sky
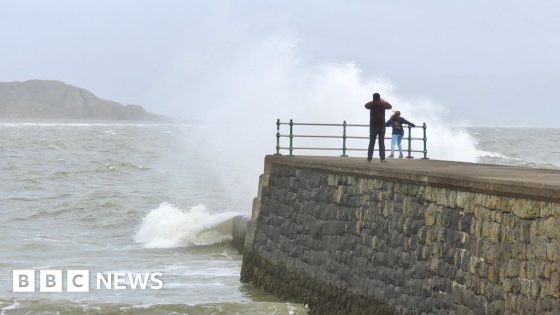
491, 62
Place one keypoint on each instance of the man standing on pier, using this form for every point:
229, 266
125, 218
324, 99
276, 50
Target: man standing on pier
377, 109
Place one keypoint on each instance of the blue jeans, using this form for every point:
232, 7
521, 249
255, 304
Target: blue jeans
396, 139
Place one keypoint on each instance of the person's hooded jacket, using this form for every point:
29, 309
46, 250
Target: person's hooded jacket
397, 124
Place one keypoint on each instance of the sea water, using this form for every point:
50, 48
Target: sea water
133, 197
120, 197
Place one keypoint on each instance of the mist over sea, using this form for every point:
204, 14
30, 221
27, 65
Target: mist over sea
137, 197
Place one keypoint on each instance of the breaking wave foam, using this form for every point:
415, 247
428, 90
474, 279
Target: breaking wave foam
482, 153
168, 226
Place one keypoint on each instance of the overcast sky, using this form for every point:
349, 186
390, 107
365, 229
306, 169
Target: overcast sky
489, 62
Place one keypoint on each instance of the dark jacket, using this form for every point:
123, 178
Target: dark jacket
377, 112
397, 125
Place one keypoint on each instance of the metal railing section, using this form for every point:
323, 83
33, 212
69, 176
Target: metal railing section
344, 149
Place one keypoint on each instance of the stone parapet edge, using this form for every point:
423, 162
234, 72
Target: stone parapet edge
452, 181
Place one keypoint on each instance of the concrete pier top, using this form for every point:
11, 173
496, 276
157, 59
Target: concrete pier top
532, 183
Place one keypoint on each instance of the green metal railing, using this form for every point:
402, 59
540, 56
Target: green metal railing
344, 149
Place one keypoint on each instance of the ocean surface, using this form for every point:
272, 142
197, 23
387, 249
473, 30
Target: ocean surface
527, 147
133, 197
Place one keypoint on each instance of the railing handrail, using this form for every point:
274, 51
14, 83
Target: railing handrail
344, 136
332, 125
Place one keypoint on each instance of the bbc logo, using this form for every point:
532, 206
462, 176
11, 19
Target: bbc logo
78, 280
50, 281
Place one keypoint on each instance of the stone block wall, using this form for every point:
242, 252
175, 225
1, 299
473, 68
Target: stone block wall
345, 243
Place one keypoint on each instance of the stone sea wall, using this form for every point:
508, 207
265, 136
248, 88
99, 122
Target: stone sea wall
238, 231
361, 244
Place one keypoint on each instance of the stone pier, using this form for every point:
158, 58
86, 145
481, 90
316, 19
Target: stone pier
407, 237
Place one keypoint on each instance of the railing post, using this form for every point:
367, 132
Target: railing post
291, 136
277, 137
409, 143
425, 139
344, 139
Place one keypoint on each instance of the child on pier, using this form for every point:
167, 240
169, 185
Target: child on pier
396, 121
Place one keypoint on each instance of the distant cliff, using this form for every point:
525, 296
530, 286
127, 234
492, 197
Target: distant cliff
45, 99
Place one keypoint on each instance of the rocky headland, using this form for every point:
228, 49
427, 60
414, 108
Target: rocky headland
47, 99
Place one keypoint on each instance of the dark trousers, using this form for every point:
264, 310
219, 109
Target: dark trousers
376, 133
